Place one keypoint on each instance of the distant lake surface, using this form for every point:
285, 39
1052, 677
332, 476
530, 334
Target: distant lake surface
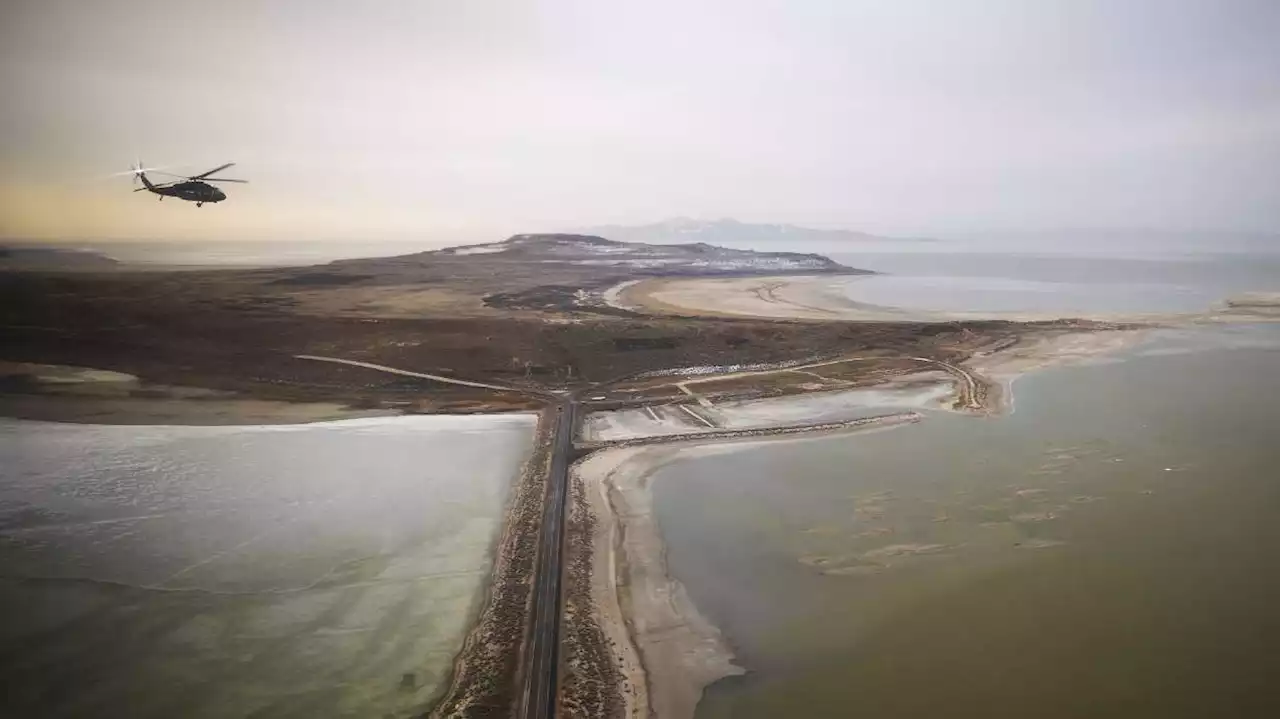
1108, 550
1058, 283
233, 253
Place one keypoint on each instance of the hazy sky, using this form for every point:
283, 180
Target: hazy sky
466, 118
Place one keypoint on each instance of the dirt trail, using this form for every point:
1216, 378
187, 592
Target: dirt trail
971, 389
407, 373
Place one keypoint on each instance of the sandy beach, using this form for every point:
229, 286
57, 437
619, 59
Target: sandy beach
823, 298
999, 370
666, 650
813, 297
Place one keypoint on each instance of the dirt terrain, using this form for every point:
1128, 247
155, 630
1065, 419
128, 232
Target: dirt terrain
521, 317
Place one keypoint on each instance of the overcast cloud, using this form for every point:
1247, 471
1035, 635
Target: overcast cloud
459, 119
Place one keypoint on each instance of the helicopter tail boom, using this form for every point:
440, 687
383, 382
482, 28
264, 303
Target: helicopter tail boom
141, 174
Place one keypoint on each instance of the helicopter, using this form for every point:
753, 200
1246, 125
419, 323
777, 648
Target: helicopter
192, 188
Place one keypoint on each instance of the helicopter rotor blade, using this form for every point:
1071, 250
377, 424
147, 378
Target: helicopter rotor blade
156, 187
139, 169
221, 179
203, 175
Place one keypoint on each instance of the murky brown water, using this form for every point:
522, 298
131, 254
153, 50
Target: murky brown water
1108, 550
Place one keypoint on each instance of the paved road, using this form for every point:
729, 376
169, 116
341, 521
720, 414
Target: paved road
541, 660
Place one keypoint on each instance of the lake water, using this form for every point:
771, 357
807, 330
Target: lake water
1058, 283
1107, 550
309, 570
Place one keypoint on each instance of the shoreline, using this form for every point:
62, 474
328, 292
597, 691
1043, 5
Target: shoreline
664, 649
820, 298
998, 370
311, 575
1001, 369
665, 652
484, 676
87, 395
202, 412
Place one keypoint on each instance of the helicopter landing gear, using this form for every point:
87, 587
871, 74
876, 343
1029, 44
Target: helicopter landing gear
199, 204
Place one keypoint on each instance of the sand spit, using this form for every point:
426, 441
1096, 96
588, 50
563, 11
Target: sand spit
998, 370
813, 297
663, 651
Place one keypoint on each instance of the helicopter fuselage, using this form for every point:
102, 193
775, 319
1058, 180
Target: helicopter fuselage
193, 191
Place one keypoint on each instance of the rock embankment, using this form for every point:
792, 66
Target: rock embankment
487, 669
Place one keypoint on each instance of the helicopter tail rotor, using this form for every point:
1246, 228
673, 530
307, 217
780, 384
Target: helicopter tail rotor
140, 173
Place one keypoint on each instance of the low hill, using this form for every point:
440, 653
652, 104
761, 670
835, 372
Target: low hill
554, 272
55, 259
687, 258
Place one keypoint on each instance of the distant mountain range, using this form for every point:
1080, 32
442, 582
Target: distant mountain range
683, 230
